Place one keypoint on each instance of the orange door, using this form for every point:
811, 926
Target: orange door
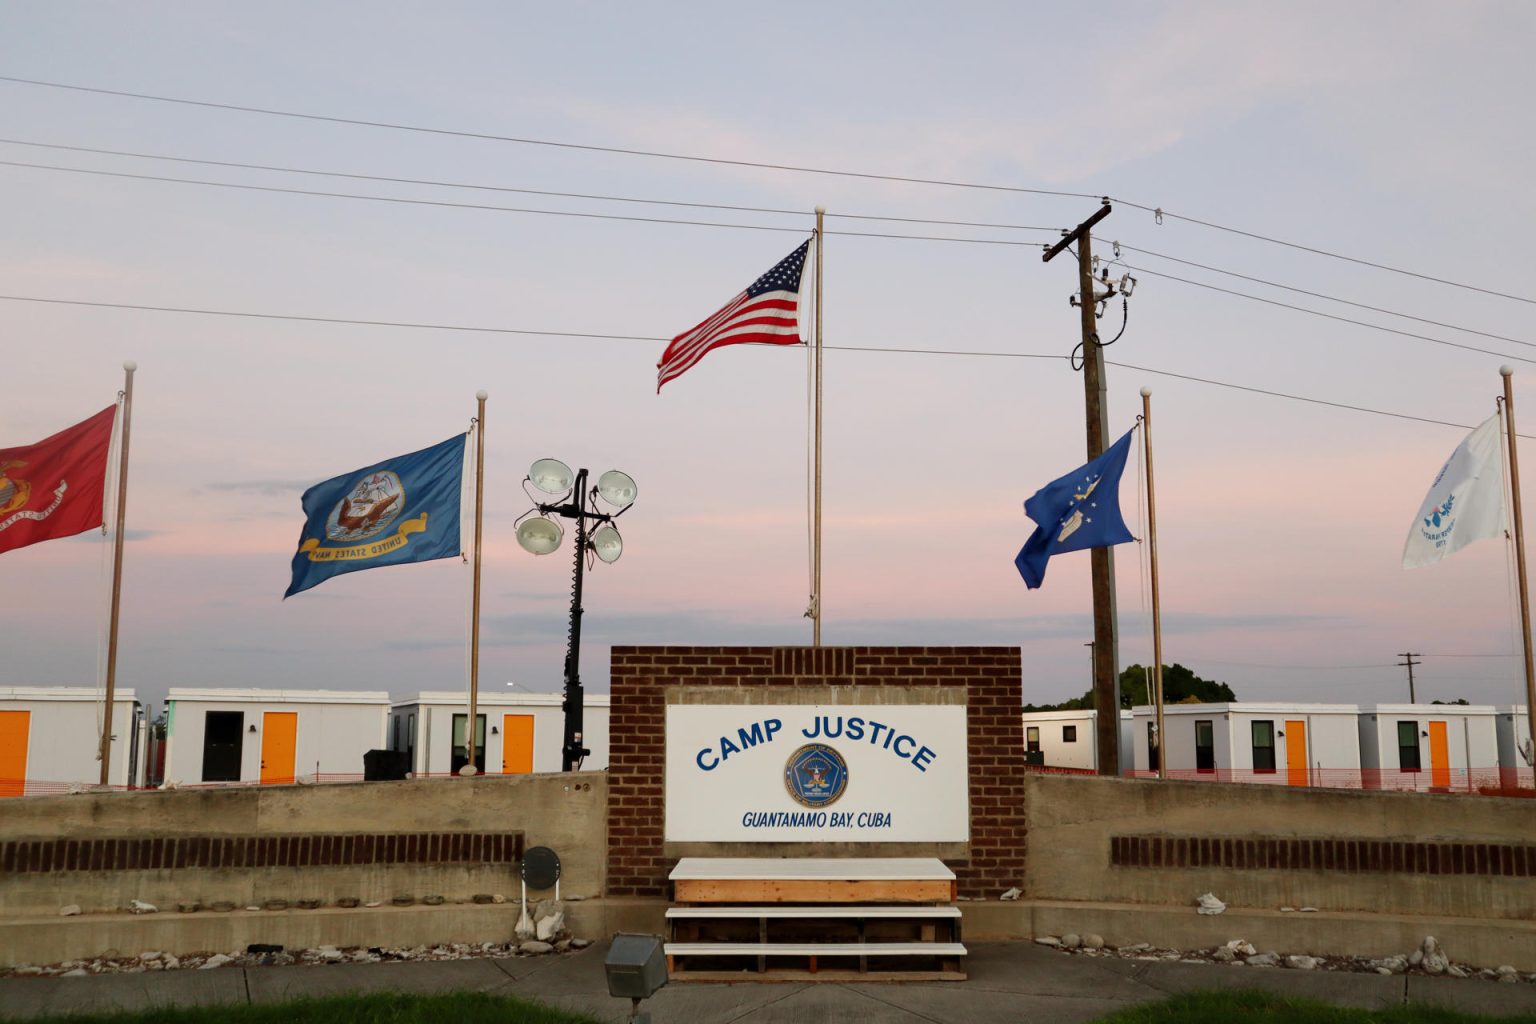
516, 744
1439, 757
1296, 753
14, 727
279, 742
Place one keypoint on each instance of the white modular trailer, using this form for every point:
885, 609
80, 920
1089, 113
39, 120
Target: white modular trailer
271, 736
516, 734
1429, 746
50, 739
1068, 739
1514, 736
1272, 743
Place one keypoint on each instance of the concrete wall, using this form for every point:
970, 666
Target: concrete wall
332, 735
432, 744
64, 734
564, 812
1075, 822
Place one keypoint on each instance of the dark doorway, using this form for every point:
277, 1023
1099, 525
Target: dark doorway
460, 745
222, 739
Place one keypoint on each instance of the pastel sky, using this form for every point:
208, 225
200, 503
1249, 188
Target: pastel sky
1392, 132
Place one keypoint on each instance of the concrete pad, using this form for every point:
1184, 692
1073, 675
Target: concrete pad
1025, 967
277, 984
957, 1004
1366, 991
1473, 995
827, 1002
33, 997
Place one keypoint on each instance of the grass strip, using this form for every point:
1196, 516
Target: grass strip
1254, 1007
381, 1008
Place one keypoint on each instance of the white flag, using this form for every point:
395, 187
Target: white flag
1464, 504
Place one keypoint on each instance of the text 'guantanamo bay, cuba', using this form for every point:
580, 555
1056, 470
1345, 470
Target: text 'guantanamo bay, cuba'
851, 728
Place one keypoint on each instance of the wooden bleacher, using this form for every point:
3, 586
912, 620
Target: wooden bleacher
834, 919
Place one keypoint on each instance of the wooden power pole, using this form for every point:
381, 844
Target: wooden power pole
1106, 679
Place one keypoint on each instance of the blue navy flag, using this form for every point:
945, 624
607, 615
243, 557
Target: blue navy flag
1080, 510
404, 509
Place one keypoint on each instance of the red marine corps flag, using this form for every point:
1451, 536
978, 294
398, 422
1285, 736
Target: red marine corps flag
55, 488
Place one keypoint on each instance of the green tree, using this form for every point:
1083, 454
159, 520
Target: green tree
1180, 686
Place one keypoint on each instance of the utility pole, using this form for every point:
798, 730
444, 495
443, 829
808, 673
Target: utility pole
1410, 655
1106, 682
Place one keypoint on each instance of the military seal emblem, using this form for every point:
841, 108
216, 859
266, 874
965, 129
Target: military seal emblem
367, 510
815, 775
14, 492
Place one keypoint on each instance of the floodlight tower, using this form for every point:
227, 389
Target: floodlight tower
541, 535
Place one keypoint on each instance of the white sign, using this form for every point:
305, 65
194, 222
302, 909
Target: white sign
865, 773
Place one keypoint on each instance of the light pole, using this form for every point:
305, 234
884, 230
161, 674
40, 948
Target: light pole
541, 535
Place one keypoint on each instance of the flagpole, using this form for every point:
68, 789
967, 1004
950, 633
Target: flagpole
474, 627
1156, 679
816, 516
117, 572
1508, 373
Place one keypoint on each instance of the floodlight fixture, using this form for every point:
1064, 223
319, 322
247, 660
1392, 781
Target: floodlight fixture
607, 543
539, 536
617, 488
551, 476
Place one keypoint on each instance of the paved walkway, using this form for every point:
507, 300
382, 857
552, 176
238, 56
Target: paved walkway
1009, 981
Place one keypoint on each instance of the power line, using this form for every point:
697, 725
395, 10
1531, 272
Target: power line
1329, 316
486, 207
508, 188
1324, 252
503, 209
719, 161
954, 353
1317, 295
489, 137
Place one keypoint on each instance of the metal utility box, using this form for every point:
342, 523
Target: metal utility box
635, 966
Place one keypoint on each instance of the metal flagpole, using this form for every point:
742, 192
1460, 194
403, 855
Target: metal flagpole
1508, 373
1156, 679
816, 515
117, 572
474, 614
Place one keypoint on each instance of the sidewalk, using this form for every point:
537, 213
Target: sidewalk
1009, 981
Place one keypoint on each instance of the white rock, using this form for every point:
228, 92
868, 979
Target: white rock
1457, 971
1309, 910
374, 903
1048, 940
1506, 969
1393, 964
549, 928
1209, 904
171, 962
1287, 910
253, 907
535, 947
1509, 978
580, 943
140, 907
78, 972
1241, 947
1011, 894
1384, 970
1092, 941
1223, 955
1071, 940
146, 957
1301, 963
498, 898
217, 960
69, 911
1264, 960
1415, 958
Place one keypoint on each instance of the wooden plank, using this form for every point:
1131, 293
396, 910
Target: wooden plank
812, 891
814, 949
824, 869
830, 976
849, 911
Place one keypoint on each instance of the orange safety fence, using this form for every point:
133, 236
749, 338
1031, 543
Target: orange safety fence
1483, 781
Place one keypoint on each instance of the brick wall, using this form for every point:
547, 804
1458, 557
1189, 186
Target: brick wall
989, 676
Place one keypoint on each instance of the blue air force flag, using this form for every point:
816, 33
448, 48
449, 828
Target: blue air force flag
1080, 510
404, 509
1464, 504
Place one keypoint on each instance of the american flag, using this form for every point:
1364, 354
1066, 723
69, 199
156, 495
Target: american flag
768, 311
